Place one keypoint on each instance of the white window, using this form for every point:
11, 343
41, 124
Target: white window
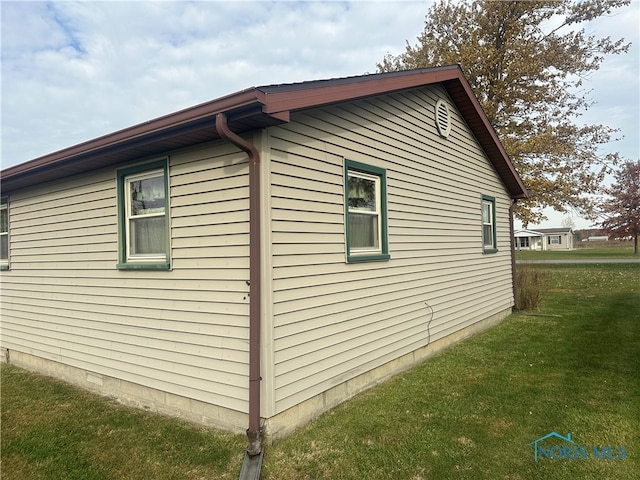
366, 222
524, 242
364, 212
554, 240
4, 234
488, 224
144, 216
145, 212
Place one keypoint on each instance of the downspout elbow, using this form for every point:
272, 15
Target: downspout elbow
223, 130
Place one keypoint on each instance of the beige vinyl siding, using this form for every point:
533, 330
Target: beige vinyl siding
334, 320
182, 331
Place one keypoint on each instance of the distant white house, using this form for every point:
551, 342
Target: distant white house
544, 239
529, 240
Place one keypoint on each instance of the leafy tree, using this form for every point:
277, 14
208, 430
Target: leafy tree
622, 210
526, 62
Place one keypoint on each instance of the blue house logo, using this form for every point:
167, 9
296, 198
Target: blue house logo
567, 448
549, 453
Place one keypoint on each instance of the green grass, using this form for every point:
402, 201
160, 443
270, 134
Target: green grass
468, 413
624, 250
51, 430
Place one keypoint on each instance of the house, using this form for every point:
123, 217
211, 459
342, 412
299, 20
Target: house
544, 239
529, 240
259, 258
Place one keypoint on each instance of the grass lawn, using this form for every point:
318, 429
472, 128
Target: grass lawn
51, 430
468, 413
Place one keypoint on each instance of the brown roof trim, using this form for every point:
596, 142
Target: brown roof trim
460, 92
154, 127
255, 108
304, 95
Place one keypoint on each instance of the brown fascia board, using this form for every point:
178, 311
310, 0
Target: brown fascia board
153, 129
306, 95
460, 92
261, 107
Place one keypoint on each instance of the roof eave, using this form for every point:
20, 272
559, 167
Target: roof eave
242, 107
260, 107
460, 92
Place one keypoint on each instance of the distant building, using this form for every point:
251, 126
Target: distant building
544, 239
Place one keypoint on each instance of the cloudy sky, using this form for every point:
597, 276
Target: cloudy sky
72, 71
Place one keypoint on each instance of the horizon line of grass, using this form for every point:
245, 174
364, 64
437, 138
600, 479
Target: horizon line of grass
578, 253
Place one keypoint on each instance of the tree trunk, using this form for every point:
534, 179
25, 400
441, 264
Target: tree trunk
635, 244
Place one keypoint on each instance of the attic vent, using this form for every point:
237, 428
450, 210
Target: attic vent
443, 120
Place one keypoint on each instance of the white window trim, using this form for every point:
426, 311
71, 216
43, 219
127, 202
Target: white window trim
128, 216
4, 262
377, 212
124, 177
369, 172
490, 203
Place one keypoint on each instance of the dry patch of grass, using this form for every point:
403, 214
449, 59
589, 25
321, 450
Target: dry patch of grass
531, 283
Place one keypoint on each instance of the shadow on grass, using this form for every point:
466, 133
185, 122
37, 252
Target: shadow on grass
53, 431
469, 413
601, 351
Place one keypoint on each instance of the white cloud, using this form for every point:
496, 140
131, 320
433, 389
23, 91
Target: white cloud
72, 71
616, 85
